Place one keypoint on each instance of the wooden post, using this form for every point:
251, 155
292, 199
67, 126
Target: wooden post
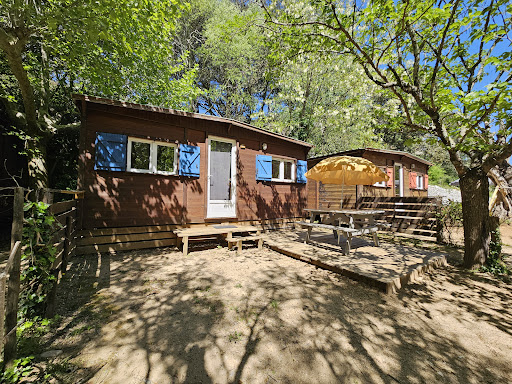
67, 243
13, 292
3, 283
50, 300
47, 196
439, 225
80, 213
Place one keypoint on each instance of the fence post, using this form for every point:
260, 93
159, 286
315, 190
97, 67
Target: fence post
47, 196
439, 224
13, 290
67, 243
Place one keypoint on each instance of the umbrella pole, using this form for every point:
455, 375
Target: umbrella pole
342, 186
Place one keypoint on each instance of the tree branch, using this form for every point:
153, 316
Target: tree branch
13, 48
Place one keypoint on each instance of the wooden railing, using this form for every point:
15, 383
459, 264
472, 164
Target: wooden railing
65, 213
414, 217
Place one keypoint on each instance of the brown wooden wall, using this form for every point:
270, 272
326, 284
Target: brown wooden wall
118, 199
388, 160
329, 196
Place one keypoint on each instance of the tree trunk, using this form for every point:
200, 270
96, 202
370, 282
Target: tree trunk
474, 187
36, 157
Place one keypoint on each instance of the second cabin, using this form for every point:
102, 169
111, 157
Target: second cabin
408, 177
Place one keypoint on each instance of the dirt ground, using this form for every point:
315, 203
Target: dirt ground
148, 317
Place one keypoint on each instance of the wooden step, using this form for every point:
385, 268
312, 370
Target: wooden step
124, 238
128, 246
244, 238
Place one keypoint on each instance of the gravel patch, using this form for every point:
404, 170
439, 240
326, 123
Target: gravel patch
447, 194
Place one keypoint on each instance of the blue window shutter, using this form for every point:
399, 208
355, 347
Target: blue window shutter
263, 167
302, 167
110, 151
190, 159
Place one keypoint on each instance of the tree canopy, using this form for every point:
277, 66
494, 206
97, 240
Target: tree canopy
110, 48
446, 62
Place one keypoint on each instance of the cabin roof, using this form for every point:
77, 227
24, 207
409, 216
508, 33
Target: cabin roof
150, 108
361, 151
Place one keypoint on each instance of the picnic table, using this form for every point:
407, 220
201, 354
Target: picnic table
344, 222
225, 230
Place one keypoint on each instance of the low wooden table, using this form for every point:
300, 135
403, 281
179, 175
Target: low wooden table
226, 230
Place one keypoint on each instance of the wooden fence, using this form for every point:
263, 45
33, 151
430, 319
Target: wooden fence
66, 213
414, 217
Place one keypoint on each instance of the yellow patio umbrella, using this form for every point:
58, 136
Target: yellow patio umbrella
346, 170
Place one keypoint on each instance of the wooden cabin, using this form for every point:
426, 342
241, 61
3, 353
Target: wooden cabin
149, 166
408, 177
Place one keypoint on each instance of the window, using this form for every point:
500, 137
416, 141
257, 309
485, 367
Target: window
283, 170
140, 156
146, 156
419, 182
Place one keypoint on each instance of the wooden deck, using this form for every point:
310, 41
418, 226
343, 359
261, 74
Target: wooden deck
388, 267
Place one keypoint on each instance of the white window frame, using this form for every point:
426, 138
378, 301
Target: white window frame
400, 180
281, 170
155, 156
420, 181
153, 153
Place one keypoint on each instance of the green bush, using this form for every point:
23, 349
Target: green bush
451, 214
20, 369
494, 263
438, 176
39, 253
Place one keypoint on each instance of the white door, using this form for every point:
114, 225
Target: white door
221, 192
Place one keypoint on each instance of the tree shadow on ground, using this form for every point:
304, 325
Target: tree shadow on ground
262, 317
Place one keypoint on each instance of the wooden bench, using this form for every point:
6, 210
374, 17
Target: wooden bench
239, 241
183, 235
339, 231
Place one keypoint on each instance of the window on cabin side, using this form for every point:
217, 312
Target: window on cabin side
287, 170
282, 170
140, 157
147, 156
276, 168
419, 182
166, 158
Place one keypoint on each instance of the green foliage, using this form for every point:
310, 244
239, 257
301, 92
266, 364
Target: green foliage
235, 336
451, 214
438, 176
20, 369
231, 55
447, 64
36, 277
63, 158
29, 334
327, 102
494, 263
447, 81
119, 49
26, 369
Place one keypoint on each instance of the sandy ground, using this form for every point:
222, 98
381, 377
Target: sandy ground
148, 317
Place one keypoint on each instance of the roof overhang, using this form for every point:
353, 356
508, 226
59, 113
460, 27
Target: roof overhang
142, 107
385, 151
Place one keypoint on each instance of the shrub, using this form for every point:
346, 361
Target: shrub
36, 277
451, 214
438, 176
